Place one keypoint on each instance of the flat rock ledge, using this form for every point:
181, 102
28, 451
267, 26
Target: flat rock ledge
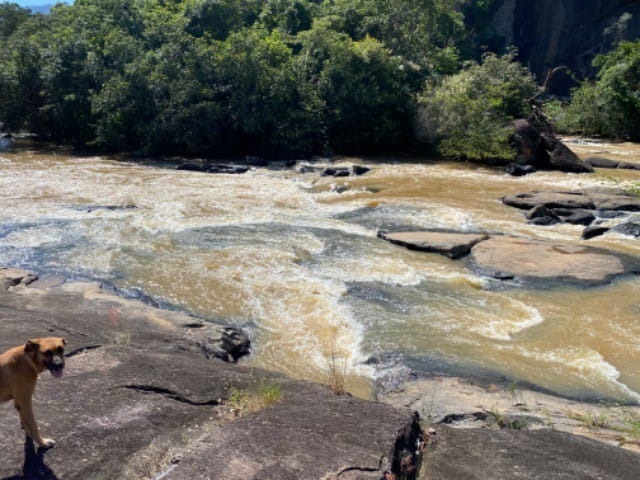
140, 399
588, 208
507, 258
451, 244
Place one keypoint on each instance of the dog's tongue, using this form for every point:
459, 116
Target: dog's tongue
57, 373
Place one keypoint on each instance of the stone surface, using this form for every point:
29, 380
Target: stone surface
452, 245
544, 151
506, 257
139, 400
517, 170
529, 200
549, 33
481, 454
594, 231
631, 229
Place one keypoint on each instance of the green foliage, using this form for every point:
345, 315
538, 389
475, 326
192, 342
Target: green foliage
221, 77
609, 106
467, 114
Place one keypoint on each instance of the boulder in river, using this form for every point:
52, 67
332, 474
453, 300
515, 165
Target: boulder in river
451, 244
544, 151
631, 229
586, 200
507, 257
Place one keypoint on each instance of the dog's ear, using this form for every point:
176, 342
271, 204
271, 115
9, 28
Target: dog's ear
32, 346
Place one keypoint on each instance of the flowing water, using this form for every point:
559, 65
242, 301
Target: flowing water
294, 258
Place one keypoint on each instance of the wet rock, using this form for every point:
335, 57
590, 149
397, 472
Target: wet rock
345, 171
631, 229
229, 344
360, 169
336, 172
594, 231
529, 200
541, 215
562, 157
506, 257
222, 168
309, 169
452, 245
576, 216
517, 170
192, 167
600, 162
544, 151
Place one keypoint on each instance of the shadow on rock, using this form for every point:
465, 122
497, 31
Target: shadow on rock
34, 467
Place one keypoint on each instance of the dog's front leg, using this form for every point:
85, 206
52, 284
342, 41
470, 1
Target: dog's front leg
25, 410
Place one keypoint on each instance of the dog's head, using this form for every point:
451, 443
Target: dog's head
47, 353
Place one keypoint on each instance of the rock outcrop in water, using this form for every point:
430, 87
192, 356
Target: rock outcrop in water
527, 260
523, 260
580, 208
542, 151
451, 244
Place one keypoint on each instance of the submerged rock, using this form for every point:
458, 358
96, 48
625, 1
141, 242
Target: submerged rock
452, 245
631, 229
506, 257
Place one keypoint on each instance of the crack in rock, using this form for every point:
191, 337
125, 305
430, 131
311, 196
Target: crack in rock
169, 394
80, 350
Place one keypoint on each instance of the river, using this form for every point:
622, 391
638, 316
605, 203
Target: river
295, 260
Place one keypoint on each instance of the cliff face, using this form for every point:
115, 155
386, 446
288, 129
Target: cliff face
549, 33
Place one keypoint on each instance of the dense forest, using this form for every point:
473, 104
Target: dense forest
283, 77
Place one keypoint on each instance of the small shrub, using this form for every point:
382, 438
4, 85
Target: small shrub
251, 400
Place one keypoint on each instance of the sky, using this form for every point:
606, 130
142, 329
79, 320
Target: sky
29, 3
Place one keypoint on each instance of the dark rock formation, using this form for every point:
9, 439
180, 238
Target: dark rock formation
567, 200
594, 231
345, 171
192, 167
575, 216
216, 168
600, 162
453, 245
541, 215
628, 228
517, 170
221, 168
549, 33
543, 151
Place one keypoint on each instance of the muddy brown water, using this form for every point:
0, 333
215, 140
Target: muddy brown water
298, 263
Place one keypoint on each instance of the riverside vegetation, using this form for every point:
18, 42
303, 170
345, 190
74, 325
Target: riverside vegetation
283, 77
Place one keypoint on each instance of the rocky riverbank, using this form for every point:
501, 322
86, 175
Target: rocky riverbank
141, 399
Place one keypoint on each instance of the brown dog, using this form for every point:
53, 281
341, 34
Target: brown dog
19, 369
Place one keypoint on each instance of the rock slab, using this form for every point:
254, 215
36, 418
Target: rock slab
452, 245
506, 257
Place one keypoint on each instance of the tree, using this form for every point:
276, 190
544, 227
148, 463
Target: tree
468, 114
610, 106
